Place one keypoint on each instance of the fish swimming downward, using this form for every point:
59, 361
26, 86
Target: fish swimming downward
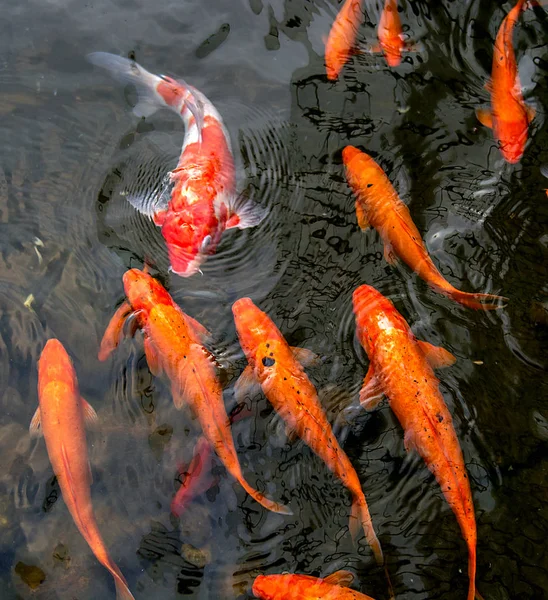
173, 344
197, 201
277, 367
378, 206
509, 116
400, 367
60, 418
305, 587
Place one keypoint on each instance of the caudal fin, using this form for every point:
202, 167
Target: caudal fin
264, 501
361, 519
122, 590
478, 301
472, 593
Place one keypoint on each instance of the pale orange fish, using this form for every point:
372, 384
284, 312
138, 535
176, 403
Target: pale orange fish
342, 37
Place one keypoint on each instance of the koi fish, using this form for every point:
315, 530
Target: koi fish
197, 201
173, 343
342, 37
509, 116
400, 368
60, 417
378, 205
278, 369
305, 587
390, 34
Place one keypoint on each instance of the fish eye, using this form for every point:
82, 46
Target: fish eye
205, 243
268, 362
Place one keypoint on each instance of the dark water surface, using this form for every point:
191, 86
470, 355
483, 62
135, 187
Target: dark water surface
69, 141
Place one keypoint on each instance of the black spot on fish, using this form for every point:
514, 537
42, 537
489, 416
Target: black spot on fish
369, 185
439, 417
268, 362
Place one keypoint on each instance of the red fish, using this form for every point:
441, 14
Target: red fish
173, 346
304, 587
400, 367
277, 368
509, 116
60, 417
342, 37
378, 205
198, 200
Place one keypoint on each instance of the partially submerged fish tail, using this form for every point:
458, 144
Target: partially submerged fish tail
360, 518
477, 301
472, 594
122, 590
263, 500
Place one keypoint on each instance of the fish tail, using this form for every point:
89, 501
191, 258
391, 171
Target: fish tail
477, 301
360, 518
472, 593
128, 71
264, 501
122, 590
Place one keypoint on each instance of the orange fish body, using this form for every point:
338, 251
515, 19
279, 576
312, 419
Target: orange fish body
275, 365
173, 346
378, 206
390, 33
342, 37
509, 116
401, 368
305, 587
60, 417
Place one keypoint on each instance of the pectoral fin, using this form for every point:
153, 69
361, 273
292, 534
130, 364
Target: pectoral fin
113, 332
35, 428
389, 254
485, 117
290, 433
371, 393
203, 333
409, 441
531, 112
342, 578
361, 216
247, 384
437, 357
90, 416
306, 357
153, 359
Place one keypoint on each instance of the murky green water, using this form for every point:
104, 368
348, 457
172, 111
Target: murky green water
69, 139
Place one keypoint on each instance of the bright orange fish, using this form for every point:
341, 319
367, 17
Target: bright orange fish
304, 587
342, 37
390, 34
277, 368
60, 417
378, 205
509, 116
400, 367
173, 346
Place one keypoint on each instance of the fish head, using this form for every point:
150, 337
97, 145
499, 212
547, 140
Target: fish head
55, 364
360, 167
374, 314
254, 327
271, 587
143, 291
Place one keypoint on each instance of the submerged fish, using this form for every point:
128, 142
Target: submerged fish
509, 116
173, 344
305, 587
378, 206
390, 34
400, 367
197, 201
342, 37
277, 367
60, 417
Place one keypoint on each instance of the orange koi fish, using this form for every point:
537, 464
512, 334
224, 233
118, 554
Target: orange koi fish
277, 368
197, 201
378, 205
509, 116
304, 587
400, 367
173, 346
60, 418
342, 37
390, 34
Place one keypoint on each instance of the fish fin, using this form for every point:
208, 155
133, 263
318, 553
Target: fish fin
196, 108
122, 590
291, 434
361, 519
263, 500
371, 393
35, 428
409, 441
343, 578
361, 216
90, 416
247, 384
203, 333
436, 356
153, 359
485, 117
111, 337
531, 112
178, 397
306, 357
489, 86
128, 71
375, 49
389, 254
152, 202
244, 213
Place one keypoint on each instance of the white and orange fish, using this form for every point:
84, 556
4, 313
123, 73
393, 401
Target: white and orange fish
197, 201
61, 417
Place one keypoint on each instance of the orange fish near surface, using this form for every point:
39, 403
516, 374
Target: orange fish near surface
305, 587
277, 367
60, 417
378, 206
509, 116
174, 346
342, 37
400, 367
390, 34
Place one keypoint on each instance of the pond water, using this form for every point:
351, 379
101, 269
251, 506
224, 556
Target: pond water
70, 141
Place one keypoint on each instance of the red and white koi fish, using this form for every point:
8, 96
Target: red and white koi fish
174, 346
342, 37
60, 418
305, 587
278, 369
378, 206
400, 367
202, 202
509, 116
